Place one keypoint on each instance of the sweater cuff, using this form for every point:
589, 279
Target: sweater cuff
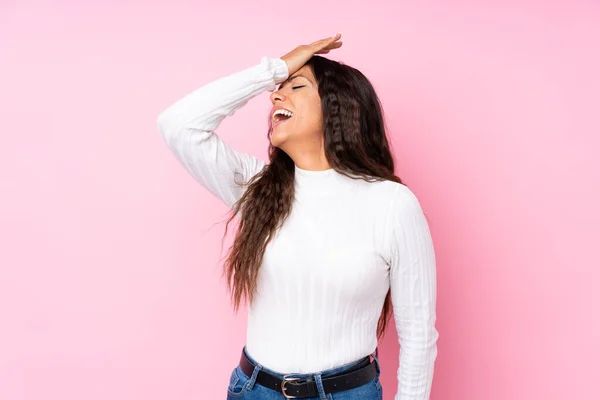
277, 70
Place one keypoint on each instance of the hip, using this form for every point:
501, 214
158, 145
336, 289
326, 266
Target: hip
359, 379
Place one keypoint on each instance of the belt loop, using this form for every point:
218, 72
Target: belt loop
252, 380
374, 355
257, 368
320, 389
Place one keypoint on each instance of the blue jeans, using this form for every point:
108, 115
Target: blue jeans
244, 387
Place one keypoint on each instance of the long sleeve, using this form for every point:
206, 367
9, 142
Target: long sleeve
413, 290
188, 128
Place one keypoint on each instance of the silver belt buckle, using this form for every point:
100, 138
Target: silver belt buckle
283, 382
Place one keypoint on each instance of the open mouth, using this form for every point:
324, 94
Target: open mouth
280, 115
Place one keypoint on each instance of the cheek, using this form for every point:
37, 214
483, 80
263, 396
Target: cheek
313, 115
318, 115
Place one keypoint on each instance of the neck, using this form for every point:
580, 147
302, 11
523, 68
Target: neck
307, 156
314, 161
313, 164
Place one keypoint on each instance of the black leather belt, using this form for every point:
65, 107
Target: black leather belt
296, 388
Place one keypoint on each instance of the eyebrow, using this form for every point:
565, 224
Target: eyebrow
291, 79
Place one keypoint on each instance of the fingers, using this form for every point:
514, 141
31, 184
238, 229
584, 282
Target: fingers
332, 46
327, 42
335, 45
334, 38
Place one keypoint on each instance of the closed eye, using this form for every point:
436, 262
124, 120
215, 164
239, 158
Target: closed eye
297, 87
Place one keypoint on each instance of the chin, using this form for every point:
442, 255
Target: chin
277, 139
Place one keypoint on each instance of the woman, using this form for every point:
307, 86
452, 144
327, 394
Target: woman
329, 242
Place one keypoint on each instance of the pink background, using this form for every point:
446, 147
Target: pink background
110, 253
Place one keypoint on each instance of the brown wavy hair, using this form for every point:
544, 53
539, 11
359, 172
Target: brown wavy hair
355, 143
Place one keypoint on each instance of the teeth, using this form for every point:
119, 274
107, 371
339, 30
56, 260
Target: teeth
283, 112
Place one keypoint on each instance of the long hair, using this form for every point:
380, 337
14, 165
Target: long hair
355, 144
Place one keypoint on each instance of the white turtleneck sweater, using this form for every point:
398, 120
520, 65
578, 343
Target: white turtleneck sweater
325, 274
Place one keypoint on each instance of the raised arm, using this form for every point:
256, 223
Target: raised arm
188, 128
413, 290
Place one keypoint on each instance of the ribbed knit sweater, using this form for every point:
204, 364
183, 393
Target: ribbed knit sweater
325, 274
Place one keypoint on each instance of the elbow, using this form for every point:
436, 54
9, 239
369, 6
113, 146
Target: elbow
163, 122
168, 126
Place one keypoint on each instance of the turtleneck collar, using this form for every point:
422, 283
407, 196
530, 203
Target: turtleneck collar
318, 182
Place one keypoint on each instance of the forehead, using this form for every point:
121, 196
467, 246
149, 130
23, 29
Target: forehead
305, 72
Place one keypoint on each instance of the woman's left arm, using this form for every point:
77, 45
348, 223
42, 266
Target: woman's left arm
413, 291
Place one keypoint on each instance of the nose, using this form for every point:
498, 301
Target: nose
277, 96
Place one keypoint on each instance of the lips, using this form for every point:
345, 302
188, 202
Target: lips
279, 115
279, 122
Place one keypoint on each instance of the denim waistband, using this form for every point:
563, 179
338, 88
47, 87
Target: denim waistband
324, 373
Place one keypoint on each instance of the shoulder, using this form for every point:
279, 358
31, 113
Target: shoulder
393, 193
405, 223
404, 205
388, 200
399, 204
